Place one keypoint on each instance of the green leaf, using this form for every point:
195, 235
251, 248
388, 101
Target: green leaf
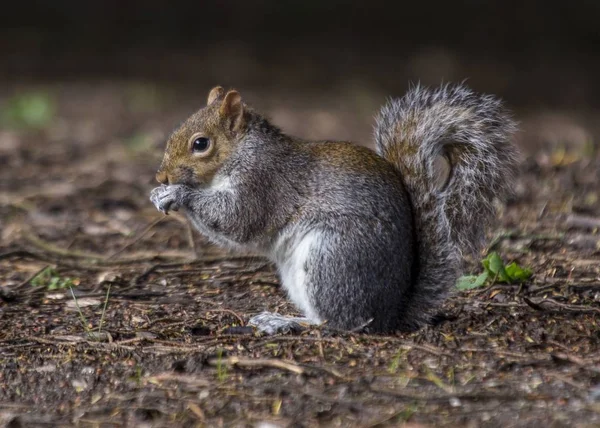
52, 280
465, 282
481, 280
497, 271
43, 277
495, 266
496, 263
469, 282
517, 273
54, 283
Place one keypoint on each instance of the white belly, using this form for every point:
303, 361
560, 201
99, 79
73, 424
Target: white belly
291, 255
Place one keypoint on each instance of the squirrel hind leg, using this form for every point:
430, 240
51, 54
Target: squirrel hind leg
271, 323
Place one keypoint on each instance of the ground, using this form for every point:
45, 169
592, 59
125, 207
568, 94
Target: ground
112, 314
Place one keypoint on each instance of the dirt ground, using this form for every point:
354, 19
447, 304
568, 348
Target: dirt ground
169, 345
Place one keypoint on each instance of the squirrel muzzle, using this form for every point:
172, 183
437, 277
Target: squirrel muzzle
162, 177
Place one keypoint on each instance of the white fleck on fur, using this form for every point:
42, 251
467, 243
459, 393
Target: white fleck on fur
221, 184
291, 254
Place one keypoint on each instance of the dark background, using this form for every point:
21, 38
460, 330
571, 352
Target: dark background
528, 51
343, 57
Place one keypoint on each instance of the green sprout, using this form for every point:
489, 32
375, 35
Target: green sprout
495, 271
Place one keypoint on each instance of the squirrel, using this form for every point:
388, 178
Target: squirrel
362, 239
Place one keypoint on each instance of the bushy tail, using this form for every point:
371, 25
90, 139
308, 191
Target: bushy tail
473, 133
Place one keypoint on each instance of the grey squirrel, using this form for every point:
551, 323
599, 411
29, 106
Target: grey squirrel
362, 239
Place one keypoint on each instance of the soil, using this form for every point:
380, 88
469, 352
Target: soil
152, 331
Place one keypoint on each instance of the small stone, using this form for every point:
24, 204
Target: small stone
455, 402
87, 370
82, 303
46, 368
79, 385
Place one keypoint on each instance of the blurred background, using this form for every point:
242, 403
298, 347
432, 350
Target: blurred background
89, 93
126, 73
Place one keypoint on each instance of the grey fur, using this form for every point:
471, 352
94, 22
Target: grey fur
474, 132
373, 243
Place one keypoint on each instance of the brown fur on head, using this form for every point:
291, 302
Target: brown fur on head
222, 123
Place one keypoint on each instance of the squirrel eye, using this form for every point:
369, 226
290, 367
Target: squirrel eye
200, 145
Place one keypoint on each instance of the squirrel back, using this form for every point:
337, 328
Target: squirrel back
472, 132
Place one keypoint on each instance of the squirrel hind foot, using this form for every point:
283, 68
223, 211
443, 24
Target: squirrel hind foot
270, 323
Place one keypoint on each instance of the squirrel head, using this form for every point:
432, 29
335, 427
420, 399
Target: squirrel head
198, 148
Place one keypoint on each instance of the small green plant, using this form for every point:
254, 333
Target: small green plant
136, 377
28, 110
405, 414
495, 271
221, 368
398, 361
104, 309
50, 279
83, 319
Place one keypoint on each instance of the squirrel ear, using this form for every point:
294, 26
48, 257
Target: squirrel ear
215, 93
233, 109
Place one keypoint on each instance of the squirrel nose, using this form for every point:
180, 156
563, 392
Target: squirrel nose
162, 177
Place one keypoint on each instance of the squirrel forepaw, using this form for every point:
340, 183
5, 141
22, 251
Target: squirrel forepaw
168, 198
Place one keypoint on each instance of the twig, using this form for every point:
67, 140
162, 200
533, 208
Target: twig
59, 261
136, 279
430, 349
78, 341
568, 381
196, 410
493, 287
397, 414
17, 253
190, 237
514, 234
228, 311
258, 363
543, 288
585, 364
320, 345
550, 302
185, 379
101, 264
139, 237
300, 338
273, 363
26, 282
101, 260
51, 248
408, 344
476, 395
329, 370
497, 352
582, 222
